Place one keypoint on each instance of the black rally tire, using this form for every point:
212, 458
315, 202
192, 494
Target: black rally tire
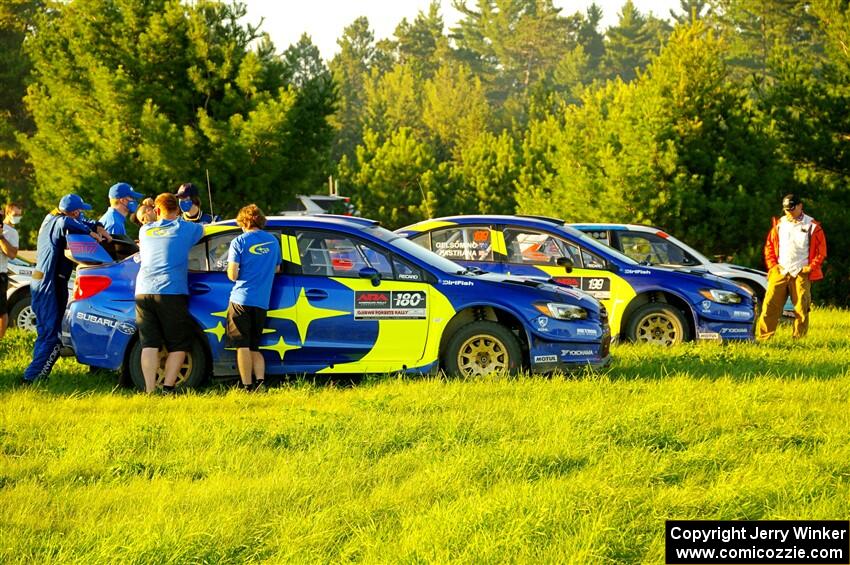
480, 348
657, 323
192, 375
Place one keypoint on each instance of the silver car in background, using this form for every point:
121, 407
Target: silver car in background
18, 294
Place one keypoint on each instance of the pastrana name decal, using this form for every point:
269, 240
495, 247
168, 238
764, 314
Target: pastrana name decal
393, 304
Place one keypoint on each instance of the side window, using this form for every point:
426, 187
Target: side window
217, 248
406, 272
591, 261
336, 255
198, 257
423, 240
600, 235
650, 248
537, 248
467, 243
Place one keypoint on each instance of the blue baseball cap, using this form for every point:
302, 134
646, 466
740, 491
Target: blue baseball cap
123, 190
72, 203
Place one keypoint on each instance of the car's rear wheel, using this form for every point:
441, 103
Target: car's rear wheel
657, 323
192, 373
21, 315
482, 348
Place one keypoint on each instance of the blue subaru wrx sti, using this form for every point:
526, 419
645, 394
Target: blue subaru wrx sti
645, 303
353, 297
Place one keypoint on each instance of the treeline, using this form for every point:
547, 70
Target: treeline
699, 123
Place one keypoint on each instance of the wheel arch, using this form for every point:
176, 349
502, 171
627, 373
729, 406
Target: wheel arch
196, 332
663, 297
493, 314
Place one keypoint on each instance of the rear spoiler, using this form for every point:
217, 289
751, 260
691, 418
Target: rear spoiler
85, 250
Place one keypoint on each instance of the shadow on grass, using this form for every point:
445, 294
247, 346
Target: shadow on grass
822, 357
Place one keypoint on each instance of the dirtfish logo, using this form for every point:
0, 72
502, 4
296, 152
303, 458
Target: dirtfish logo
259, 249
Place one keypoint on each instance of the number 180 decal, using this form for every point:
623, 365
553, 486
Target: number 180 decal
394, 304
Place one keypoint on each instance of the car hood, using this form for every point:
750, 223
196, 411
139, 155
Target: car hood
554, 291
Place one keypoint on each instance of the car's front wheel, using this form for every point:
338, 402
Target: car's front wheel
657, 323
192, 373
481, 348
21, 315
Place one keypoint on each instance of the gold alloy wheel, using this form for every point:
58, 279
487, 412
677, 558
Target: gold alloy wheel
182, 376
482, 355
660, 329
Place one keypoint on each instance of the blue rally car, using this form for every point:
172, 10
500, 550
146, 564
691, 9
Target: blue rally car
645, 303
353, 298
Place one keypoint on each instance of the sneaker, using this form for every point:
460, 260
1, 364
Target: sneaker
260, 386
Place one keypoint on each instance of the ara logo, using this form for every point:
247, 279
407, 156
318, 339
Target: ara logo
123, 327
259, 249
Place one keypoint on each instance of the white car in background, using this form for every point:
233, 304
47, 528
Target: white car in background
18, 294
647, 244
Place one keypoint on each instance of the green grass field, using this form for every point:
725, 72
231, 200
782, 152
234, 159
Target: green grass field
581, 468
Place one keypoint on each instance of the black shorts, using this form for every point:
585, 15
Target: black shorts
4, 287
163, 319
245, 326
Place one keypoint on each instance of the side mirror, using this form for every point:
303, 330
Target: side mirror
566, 263
371, 273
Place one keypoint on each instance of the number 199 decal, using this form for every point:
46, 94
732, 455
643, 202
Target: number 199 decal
597, 287
396, 305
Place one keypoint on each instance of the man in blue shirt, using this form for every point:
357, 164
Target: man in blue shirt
162, 291
49, 287
122, 201
252, 261
190, 205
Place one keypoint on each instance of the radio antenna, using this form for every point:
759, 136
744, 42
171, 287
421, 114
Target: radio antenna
425, 200
209, 193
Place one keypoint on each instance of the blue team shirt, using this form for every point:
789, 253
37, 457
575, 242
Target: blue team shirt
113, 222
164, 248
258, 255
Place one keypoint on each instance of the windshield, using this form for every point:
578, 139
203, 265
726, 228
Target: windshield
414, 249
598, 247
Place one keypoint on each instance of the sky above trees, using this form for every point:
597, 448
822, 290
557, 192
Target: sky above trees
325, 20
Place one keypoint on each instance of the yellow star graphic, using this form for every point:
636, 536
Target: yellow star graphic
218, 331
308, 314
281, 347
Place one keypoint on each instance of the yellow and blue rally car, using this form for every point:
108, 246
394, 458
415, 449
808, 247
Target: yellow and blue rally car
645, 303
353, 298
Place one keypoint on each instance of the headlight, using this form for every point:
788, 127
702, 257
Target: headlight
721, 296
561, 311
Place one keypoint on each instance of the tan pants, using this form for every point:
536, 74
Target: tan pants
778, 287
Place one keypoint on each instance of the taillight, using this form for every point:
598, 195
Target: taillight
87, 286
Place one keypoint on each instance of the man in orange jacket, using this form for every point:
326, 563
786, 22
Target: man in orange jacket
794, 252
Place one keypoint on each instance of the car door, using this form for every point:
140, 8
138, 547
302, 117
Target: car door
209, 290
345, 321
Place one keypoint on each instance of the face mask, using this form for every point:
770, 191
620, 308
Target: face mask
132, 206
15, 219
185, 205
